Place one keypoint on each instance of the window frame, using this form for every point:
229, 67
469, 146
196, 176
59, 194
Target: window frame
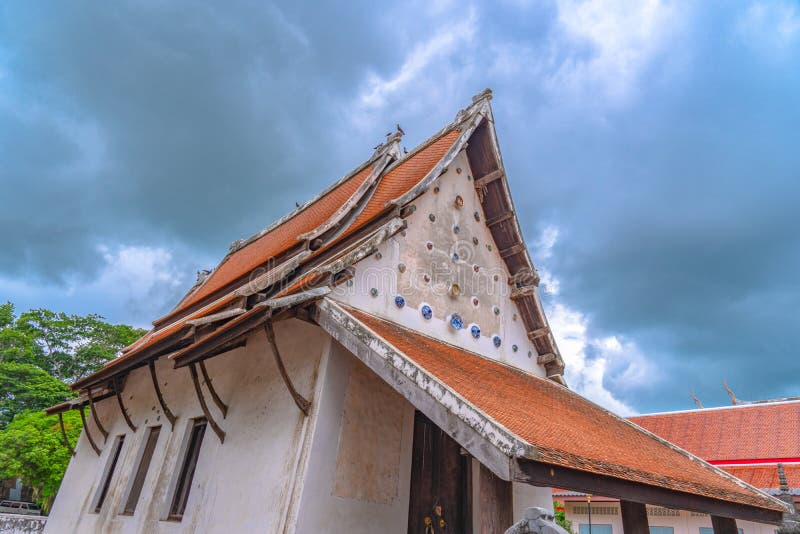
183, 478
144, 459
113, 460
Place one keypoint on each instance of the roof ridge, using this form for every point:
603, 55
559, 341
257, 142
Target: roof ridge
719, 408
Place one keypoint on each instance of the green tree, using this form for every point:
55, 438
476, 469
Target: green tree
26, 387
6, 314
70, 347
32, 448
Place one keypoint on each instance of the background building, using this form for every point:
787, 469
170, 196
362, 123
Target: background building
748, 440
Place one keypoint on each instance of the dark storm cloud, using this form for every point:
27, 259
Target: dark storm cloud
200, 122
668, 162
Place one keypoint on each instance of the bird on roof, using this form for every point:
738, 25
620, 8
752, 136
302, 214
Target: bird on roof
405, 150
400, 130
296, 204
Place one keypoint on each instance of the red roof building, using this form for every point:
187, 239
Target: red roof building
756, 442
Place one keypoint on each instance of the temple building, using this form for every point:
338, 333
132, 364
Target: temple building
378, 360
757, 442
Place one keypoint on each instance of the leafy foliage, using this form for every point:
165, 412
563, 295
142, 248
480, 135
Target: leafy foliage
41, 351
26, 387
68, 347
32, 448
560, 516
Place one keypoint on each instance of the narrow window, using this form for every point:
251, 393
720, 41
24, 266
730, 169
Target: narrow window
186, 475
109, 473
141, 472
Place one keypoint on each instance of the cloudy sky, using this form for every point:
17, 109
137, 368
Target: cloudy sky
652, 150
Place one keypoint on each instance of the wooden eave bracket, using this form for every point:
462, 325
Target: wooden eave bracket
221, 405
118, 392
203, 406
95, 416
86, 430
164, 408
64, 434
301, 402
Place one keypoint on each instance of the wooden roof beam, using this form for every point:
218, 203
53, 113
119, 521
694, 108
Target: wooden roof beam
553, 476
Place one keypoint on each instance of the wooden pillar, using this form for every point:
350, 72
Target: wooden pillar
723, 525
634, 518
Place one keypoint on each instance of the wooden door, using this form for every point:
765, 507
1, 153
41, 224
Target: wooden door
440, 482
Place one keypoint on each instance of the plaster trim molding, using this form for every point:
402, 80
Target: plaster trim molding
484, 438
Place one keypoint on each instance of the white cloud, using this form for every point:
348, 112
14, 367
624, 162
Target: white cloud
134, 285
136, 276
623, 38
598, 368
428, 68
771, 27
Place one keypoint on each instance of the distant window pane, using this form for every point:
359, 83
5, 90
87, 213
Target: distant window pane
595, 529
662, 530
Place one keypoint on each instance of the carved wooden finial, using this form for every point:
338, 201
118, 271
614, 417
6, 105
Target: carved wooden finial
696, 400
734, 400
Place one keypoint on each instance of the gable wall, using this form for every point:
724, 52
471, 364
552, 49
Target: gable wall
242, 485
489, 284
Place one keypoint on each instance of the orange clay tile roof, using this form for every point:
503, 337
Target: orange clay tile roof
279, 239
565, 428
742, 432
400, 179
765, 476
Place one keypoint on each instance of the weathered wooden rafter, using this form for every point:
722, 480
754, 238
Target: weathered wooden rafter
485, 180
299, 400
96, 417
546, 358
86, 430
118, 393
503, 217
203, 406
361, 250
64, 433
221, 405
216, 317
533, 335
164, 408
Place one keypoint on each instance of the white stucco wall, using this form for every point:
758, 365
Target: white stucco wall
489, 284
322, 508
241, 486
